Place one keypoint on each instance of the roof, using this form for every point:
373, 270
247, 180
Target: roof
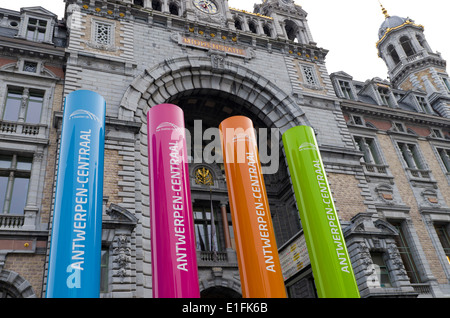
390, 23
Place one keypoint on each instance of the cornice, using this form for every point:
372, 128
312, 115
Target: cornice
394, 113
21, 46
251, 13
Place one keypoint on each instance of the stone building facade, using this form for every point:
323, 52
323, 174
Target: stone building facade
32, 62
385, 145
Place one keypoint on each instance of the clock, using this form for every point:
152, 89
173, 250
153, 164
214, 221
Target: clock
207, 6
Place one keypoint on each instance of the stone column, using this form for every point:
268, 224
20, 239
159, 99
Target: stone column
226, 231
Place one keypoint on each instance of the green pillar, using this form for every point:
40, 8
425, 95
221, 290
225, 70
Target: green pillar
332, 269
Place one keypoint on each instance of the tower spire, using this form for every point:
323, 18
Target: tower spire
383, 10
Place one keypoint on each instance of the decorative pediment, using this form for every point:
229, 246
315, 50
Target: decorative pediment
386, 228
38, 11
118, 216
364, 224
9, 67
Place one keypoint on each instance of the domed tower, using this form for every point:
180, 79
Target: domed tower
412, 64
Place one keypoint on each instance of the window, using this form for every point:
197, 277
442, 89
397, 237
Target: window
399, 127
369, 148
421, 41
12, 104
406, 254
13, 23
30, 66
407, 46
104, 262
381, 269
446, 83
36, 29
346, 89
442, 233
394, 55
206, 240
444, 154
14, 179
411, 155
252, 27
156, 5
34, 107
423, 105
9, 291
238, 24
357, 120
33, 101
436, 133
291, 30
385, 95
215, 238
173, 9
266, 30
309, 75
103, 34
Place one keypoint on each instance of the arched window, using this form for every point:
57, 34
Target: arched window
252, 27
420, 40
423, 43
291, 30
238, 24
156, 5
393, 53
12, 285
407, 46
267, 30
173, 9
139, 2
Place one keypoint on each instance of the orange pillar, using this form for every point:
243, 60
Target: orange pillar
256, 248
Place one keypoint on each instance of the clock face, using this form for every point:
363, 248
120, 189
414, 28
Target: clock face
207, 6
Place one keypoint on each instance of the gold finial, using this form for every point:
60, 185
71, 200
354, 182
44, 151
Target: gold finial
384, 11
204, 176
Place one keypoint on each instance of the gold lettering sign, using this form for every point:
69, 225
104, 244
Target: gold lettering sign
213, 46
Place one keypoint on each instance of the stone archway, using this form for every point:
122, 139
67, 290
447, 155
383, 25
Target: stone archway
177, 75
182, 78
12, 285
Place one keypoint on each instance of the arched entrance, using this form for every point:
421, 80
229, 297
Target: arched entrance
185, 74
219, 292
205, 109
211, 93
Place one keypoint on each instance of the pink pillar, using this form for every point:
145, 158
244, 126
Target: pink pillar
174, 258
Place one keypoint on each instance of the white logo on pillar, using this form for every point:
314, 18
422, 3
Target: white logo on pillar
307, 146
81, 113
167, 126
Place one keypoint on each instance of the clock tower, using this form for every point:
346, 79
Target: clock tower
206, 6
214, 12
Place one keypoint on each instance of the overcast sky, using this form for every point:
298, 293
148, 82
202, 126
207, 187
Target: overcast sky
347, 28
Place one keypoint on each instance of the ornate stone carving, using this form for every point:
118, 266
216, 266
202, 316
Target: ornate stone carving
218, 61
121, 255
